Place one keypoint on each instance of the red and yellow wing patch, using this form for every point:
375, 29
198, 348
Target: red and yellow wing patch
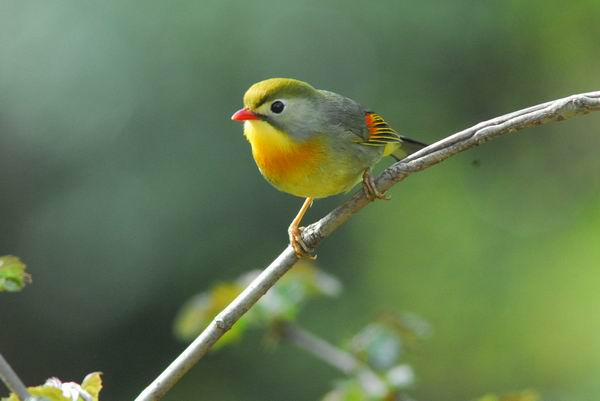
380, 133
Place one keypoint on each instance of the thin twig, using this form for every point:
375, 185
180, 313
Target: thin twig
557, 110
334, 356
12, 381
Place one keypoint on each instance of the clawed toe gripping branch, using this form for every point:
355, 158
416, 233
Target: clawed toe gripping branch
557, 110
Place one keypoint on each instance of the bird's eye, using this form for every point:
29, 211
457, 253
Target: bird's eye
277, 106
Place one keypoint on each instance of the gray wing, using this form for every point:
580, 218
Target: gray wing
347, 118
344, 116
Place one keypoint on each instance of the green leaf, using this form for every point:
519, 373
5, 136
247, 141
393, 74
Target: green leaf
348, 390
48, 393
377, 345
199, 311
488, 397
382, 343
11, 397
409, 326
55, 390
12, 274
315, 281
283, 301
351, 390
92, 383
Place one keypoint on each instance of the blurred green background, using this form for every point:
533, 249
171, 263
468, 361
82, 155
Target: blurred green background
127, 189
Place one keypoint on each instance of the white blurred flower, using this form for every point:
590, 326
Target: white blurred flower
70, 390
400, 376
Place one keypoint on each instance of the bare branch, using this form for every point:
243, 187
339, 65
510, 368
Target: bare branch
12, 381
334, 356
557, 110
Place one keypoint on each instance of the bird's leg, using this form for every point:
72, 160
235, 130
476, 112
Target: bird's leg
369, 187
295, 232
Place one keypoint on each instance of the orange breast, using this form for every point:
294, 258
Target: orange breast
286, 163
299, 159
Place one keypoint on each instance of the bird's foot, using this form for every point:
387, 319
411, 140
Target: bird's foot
370, 190
300, 248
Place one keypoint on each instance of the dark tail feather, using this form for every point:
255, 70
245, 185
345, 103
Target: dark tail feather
407, 147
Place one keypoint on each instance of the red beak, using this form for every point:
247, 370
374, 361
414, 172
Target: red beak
243, 115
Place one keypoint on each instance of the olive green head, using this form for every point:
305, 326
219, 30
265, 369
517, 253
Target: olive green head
299, 110
266, 91
289, 105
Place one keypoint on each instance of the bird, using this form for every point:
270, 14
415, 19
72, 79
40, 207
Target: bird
313, 143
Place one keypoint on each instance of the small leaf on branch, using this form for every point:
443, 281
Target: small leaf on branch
92, 383
382, 343
282, 302
351, 390
200, 310
347, 390
55, 390
378, 346
285, 300
410, 327
12, 274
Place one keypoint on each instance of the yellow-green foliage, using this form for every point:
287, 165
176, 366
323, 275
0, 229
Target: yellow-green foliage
55, 390
283, 301
12, 274
526, 395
